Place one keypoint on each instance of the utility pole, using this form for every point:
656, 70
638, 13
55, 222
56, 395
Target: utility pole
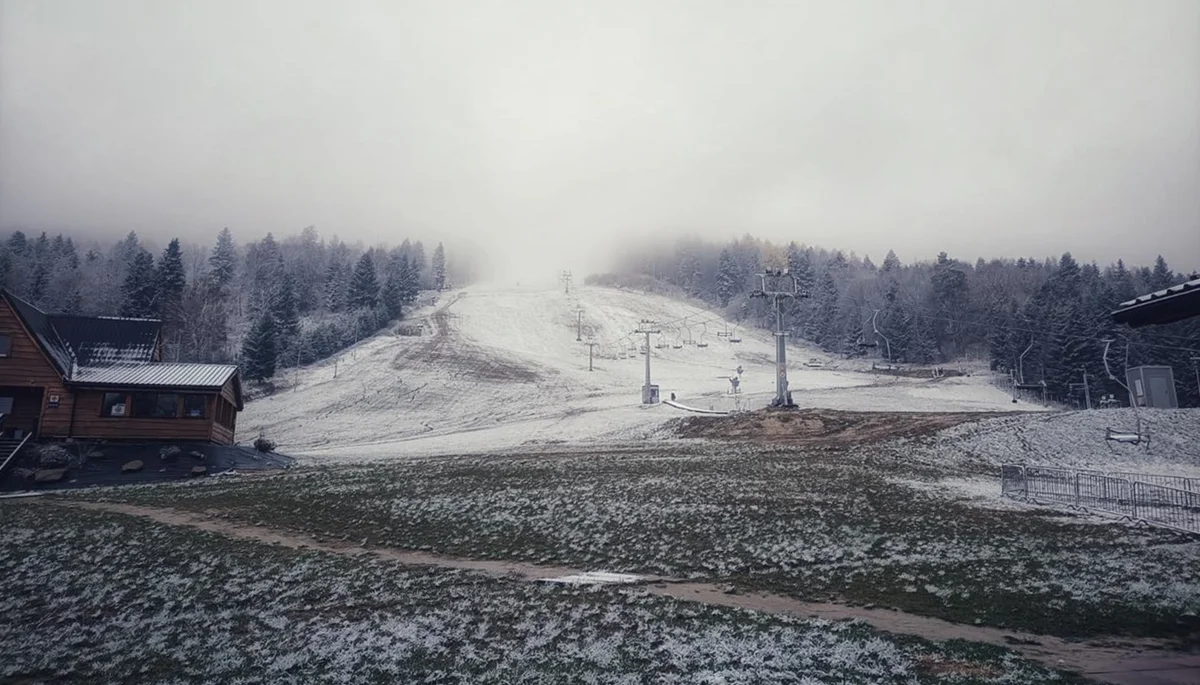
579, 324
566, 281
1087, 392
649, 391
1196, 368
775, 284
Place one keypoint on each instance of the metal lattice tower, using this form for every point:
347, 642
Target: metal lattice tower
777, 284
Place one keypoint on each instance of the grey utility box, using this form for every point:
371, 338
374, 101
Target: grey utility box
649, 394
1152, 386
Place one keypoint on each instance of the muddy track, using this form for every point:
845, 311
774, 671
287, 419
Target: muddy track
820, 427
1117, 660
462, 358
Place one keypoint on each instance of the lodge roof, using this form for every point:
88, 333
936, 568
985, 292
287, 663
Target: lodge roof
114, 351
207, 376
1162, 306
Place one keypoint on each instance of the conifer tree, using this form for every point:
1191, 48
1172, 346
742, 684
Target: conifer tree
727, 278
260, 349
337, 281
285, 311
171, 281
139, 289
223, 260
364, 285
891, 263
800, 266
439, 267
410, 280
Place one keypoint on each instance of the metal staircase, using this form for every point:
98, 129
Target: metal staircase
9, 447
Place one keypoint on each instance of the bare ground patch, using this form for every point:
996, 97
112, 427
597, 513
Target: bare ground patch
820, 427
444, 349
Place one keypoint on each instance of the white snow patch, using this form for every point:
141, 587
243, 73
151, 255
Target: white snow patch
503, 369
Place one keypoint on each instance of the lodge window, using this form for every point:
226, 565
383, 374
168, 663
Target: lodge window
225, 412
114, 404
5, 345
194, 406
156, 405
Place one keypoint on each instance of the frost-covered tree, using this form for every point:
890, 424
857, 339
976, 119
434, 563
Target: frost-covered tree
139, 289
891, 263
260, 349
727, 278
439, 267
285, 310
364, 285
171, 280
222, 263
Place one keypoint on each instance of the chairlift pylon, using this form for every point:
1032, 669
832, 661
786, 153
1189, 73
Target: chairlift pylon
875, 328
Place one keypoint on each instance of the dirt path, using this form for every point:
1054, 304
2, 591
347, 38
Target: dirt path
1127, 661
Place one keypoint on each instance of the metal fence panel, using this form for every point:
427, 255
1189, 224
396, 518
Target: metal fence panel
1165, 506
1178, 482
1169, 501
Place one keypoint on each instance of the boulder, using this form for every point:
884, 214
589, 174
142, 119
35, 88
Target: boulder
49, 475
52, 457
132, 466
169, 454
196, 455
199, 470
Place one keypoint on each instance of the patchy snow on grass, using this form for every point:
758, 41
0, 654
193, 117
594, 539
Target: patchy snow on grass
1069, 439
815, 525
104, 598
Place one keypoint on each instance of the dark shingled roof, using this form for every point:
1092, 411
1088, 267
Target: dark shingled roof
103, 341
104, 351
75, 341
1172, 304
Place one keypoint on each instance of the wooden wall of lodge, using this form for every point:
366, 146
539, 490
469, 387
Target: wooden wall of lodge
90, 424
27, 367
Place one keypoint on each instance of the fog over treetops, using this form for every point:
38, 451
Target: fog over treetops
540, 135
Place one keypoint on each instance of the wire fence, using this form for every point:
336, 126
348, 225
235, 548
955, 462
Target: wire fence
1155, 499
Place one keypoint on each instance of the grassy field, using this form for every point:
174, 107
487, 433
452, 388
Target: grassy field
94, 597
837, 525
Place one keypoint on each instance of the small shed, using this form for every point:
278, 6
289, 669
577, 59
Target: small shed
1152, 386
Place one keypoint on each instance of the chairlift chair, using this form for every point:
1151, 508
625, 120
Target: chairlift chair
735, 338
701, 342
1139, 435
862, 341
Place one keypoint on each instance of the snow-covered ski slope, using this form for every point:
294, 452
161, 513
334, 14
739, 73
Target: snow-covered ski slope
501, 367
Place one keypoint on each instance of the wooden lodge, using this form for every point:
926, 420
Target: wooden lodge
102, 378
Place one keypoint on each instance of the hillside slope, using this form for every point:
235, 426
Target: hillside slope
502, 367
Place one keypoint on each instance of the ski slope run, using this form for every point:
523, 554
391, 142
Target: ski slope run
501, 367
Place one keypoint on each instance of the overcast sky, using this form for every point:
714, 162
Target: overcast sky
558, 129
